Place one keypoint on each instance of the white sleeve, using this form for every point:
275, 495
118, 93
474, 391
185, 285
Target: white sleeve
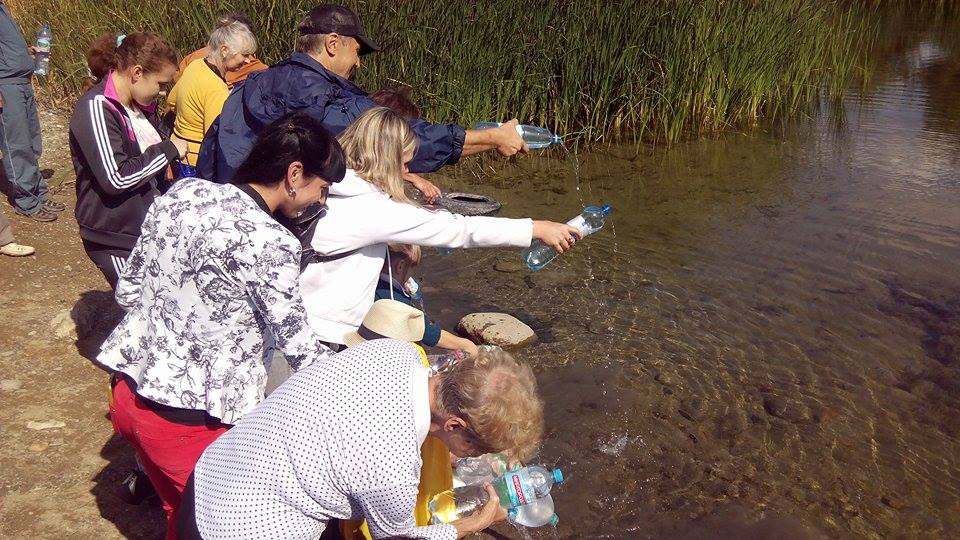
406, 223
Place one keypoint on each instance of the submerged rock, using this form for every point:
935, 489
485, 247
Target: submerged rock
509, 266
497, 329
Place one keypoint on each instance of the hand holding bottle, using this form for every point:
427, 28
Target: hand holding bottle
559, 236
491, 512
509, 141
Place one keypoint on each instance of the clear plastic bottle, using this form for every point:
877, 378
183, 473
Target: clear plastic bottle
589, 221
41, 58
440, 362
524, 485
478, 470
463, 501
535, 137
536, 514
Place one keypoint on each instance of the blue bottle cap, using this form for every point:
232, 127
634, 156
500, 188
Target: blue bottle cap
606, 209
557, 476
554, 519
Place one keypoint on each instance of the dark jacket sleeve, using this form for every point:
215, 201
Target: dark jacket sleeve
101, 137
431, 333
438, 145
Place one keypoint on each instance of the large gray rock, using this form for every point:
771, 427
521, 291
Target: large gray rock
497, 329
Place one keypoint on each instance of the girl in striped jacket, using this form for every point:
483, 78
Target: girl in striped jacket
119, 150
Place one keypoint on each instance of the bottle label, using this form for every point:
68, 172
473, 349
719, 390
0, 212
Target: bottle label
43, 44
519, 487
580, 223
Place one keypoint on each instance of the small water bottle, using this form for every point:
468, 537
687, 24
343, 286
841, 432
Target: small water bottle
477, 470
525, 485
536, 514
456, 503
440, 362
535, 137
41, 58
588, 222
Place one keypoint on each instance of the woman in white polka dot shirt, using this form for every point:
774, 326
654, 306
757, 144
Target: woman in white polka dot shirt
341, 439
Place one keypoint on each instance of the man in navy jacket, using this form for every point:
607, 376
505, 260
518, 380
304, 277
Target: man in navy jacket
316, 79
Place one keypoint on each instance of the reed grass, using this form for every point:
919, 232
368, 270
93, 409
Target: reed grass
654, 70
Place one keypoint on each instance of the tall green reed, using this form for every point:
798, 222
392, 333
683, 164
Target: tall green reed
649, 69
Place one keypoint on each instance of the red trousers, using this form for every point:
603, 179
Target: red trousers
168, 450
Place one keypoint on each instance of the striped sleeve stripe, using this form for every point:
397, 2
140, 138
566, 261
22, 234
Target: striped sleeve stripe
102, 138
119, 264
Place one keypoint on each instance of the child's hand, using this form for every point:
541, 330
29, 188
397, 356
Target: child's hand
430, 191
559, 236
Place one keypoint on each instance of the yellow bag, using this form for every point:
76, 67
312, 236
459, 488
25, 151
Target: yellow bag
436, 476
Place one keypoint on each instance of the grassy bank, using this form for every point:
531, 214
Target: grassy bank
656, 69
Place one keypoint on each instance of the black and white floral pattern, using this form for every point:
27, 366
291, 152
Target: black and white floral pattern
210, 286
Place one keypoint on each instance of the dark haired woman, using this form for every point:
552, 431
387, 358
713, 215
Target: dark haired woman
211, 285
119, 152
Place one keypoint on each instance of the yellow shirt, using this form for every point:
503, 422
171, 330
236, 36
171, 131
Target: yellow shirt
197, 99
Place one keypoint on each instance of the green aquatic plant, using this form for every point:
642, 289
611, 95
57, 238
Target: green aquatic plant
651, 70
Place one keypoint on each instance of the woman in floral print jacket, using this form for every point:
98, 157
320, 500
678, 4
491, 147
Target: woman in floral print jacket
210, 285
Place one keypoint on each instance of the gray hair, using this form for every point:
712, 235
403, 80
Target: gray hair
236, 36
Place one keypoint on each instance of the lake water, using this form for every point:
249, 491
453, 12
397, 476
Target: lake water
765, 340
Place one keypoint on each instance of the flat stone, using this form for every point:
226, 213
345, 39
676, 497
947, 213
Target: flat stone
509, 267
10, 385
63, 326
893, 501
38, 447
45, 424
497, 329
552, 278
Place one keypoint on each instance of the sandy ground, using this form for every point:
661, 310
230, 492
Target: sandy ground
60, 481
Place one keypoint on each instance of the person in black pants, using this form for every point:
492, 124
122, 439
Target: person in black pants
119, 148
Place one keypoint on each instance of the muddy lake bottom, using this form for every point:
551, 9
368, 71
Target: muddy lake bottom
763, 342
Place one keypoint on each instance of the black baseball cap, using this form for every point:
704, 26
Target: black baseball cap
331, 18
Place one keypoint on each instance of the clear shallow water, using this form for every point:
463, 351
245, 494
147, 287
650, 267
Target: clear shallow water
766, 340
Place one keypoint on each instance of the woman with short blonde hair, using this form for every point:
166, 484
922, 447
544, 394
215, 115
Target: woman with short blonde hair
201, 90
342, 440
369, 210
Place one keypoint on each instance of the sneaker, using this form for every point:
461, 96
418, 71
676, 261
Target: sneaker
136, 488
53, 206
42, 215
14, 249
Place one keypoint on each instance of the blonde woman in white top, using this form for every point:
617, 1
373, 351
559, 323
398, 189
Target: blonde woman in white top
369, 210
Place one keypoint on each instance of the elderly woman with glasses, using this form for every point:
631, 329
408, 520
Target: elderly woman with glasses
211, 285
341, 439
202, 88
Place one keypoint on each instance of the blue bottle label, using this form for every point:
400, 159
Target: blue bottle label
519, 487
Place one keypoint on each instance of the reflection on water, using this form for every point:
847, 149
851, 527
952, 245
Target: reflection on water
765, 341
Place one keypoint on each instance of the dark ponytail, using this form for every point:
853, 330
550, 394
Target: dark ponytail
147, 49
295, 137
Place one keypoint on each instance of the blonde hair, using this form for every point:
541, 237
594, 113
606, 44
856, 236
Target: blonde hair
410, 252
374, 145
497, 397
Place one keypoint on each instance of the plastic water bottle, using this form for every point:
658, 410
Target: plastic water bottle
523, 486
440, 362
41, 58
588, 222
535, 137
477, 470
536, 514
529, 484
456, 503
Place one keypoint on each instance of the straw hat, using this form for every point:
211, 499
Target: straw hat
389, 319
